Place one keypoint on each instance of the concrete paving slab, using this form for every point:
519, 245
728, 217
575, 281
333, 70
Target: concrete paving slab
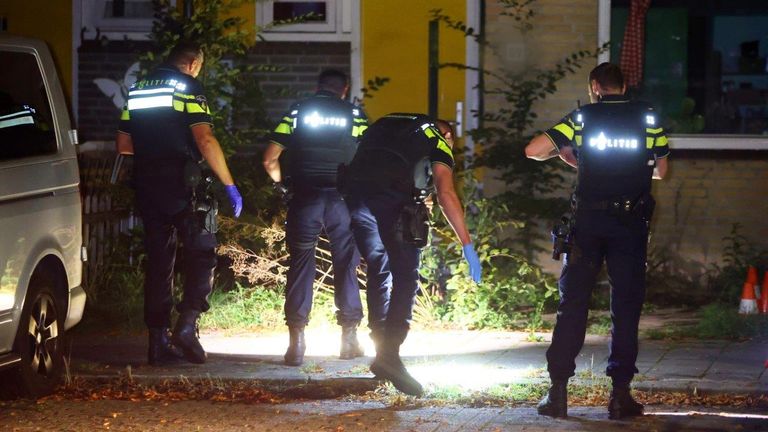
474, 360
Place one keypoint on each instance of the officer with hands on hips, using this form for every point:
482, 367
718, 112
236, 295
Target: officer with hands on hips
617, 146
318, 134
166, 125
401, 159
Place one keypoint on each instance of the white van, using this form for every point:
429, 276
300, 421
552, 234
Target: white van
41, 253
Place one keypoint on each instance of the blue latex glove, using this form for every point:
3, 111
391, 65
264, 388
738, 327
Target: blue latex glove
474, 262
235, 199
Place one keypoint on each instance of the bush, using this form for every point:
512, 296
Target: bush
512, 287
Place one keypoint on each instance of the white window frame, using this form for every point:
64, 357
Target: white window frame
113, 28
343, 23
264, 14
346, 29
687, 141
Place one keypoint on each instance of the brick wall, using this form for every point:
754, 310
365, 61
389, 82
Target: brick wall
97, 114
560, 27
706, 192
295, 65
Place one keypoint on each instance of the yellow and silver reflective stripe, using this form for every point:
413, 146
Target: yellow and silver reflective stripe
150, 91
196, 108
442, 145
662, 141
16, 119
284, 127
565, 130
125, 115
358, 130
150, 102
652, 137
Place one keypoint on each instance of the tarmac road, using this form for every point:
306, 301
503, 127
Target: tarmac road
340, 415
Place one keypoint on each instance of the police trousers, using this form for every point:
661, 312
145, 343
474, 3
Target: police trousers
309, 213
622, 244
162, 233
393, 264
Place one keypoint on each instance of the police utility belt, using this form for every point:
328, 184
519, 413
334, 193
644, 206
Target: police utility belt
641, 206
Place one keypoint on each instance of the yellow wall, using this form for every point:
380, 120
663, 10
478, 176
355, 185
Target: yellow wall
50, 21
395, 45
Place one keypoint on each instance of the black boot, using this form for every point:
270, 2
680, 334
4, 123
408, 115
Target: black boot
388, 365
350, 347
295, 354
185, 336
161, 350
555, 403
622, 404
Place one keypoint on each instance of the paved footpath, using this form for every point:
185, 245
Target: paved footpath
341, 416
469, 359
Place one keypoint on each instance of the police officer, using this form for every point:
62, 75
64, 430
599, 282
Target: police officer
401, 158
166, 124
318, 134
617, 146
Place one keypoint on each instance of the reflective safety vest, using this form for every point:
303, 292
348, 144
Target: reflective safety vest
616, 146
319, 134
396, 154
159, 112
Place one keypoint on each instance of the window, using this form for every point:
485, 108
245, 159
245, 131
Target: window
118, 18
705, 64
329, 17
26, 123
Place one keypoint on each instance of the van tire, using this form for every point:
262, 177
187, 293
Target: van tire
39, 340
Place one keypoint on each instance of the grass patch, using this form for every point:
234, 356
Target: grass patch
311, 367
245, 309
716, 321
599, 324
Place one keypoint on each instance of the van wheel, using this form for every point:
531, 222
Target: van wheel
39, 339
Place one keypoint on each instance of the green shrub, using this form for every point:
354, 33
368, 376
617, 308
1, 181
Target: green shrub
722, 321
726, 282
511, 288
245, 308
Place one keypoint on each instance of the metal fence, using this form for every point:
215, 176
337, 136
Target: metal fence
106, 213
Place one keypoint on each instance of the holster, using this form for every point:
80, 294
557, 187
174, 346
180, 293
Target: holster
644, 207
204, 203
414, 224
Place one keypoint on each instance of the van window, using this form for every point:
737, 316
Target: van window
26, 123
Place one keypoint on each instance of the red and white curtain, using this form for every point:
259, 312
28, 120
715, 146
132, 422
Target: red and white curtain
632, 50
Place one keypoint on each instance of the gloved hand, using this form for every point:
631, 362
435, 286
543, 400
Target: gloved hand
235, 199
475, 270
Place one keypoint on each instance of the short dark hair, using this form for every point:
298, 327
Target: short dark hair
185, 52
332, 80
607, 75
444, 126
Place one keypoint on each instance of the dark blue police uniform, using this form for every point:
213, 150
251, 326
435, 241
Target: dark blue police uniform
392, 167
319, 134
158, 115
616, 142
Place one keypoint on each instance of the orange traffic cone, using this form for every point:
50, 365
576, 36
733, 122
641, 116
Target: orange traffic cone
763, 306
752, 278
748, 303
752, 275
